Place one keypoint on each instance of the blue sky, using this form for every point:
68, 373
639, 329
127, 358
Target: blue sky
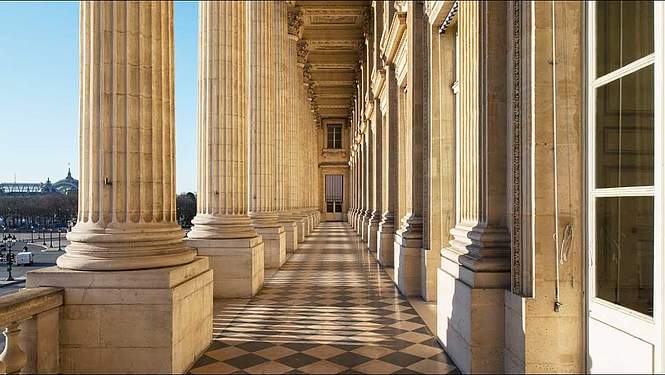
39, 63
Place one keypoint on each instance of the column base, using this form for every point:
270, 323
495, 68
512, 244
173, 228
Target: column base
407, 262
238, 265
274, 240
141, 321
358, 223
470, 317
385, 250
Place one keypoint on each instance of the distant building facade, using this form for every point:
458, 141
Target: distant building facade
68, 185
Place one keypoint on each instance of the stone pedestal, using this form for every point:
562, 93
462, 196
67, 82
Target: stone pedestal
142, 321
274, 249
372, 233
385, 250
310, 221
470, 316
406, 262
301, 222
291, 235
359, 222
238, 265
364, 226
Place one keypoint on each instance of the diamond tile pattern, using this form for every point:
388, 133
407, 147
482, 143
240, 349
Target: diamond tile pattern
330, 309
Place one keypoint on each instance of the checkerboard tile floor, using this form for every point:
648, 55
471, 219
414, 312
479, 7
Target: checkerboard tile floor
329, 309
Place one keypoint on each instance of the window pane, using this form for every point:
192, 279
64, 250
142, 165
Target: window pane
624, 33
625, 131
329, 207
334, 136
624, 252
330, 137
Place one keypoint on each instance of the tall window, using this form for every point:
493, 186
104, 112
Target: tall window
334, 136
622, 138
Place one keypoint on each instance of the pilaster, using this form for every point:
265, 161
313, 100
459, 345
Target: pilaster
475, 268
408, 239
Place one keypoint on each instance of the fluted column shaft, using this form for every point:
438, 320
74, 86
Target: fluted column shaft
262, 142
280, 50
126, 217
222, 123
293, 123
377, 172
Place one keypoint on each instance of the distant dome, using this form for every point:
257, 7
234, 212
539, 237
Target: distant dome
67, 185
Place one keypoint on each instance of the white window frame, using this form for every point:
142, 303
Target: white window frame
647, 328
329, 128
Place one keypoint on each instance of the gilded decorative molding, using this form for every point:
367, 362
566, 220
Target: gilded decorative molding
391, 43
295, 22
401, 6
306, 74
362, 53
366, 22
521, 257
302, 50
516, 239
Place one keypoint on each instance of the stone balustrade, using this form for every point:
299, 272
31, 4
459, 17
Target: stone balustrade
30, 319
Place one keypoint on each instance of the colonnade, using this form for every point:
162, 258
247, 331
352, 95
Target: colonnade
248, 73
256, 186
434, 212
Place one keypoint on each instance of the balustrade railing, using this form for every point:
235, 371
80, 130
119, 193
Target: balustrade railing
30, 319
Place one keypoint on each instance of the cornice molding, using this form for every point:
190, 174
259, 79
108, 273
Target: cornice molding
378, 82
397, 29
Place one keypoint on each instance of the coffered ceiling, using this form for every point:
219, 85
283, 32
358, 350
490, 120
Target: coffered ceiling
331, 42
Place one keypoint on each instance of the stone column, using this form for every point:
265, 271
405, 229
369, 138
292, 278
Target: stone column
222, 228
376, 198
377, 142
359, 147
367, 172
287, 32
476, 265
294, 28
362, 186
408, 239
351, 190
303, 225
262, 145
390, 175
354, 165
127, 261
